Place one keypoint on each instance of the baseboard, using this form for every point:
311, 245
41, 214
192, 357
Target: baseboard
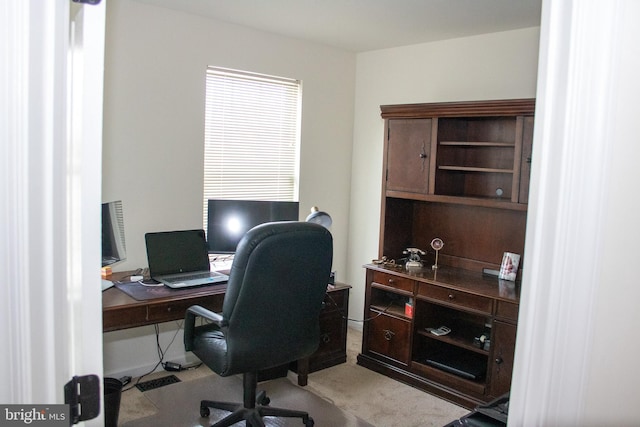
357, 325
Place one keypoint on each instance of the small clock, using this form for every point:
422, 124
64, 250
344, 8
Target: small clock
436, 244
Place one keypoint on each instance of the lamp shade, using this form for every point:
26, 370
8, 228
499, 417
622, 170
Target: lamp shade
319, 217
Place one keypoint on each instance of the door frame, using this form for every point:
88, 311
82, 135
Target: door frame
52, 122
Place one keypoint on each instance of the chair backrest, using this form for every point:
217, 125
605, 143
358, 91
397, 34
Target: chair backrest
276, 286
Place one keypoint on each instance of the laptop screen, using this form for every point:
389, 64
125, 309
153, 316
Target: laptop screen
172, 252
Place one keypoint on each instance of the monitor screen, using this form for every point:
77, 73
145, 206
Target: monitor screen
113, 246
229, 220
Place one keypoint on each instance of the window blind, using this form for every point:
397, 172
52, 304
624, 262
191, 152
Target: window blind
252, 136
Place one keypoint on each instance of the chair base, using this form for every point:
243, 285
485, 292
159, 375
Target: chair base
253, 416
249, 411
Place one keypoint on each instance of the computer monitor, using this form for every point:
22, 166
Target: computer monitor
113, 243
229, 220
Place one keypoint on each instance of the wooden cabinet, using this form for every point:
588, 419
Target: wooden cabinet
460, 172
469, 365
332, 349
459, 152
389, 327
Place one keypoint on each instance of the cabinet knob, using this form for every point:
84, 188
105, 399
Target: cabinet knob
388, 334
423, 156
391, 281
499, 360
325, 338
451, 296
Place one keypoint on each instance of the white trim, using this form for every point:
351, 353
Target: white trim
50, 189
34, 33
571, 170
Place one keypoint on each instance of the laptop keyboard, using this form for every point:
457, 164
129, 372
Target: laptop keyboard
196, 276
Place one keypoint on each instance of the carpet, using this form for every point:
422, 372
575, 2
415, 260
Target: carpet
178, 404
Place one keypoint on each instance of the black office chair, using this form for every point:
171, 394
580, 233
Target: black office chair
270, 314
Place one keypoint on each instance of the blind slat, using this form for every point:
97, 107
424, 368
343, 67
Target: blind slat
252, 136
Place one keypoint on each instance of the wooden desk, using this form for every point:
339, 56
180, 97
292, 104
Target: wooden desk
120, 311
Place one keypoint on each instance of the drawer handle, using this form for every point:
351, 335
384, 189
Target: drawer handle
499, 360
168, 308
452, 296
325, 338
388, 334
391, 281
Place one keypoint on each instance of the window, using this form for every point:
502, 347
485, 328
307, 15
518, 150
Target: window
252, 136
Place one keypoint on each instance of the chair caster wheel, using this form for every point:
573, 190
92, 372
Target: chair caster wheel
204, 411
309, 422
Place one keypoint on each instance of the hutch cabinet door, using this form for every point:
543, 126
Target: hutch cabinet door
504, 342
525, 168
408, 155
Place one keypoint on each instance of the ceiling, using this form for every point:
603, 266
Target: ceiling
363, 25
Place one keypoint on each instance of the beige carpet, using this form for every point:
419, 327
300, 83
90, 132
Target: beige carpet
178, 404
358, 391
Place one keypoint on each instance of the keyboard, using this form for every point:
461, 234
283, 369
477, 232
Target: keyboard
196, 276
193, 279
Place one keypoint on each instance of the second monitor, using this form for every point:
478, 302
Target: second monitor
229, 220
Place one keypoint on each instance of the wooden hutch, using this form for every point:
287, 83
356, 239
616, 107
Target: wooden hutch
456, 171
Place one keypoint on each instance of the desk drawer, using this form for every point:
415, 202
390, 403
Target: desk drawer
332, 335
507, 310
115, 319
457, 298
334, 301
392, 281
165, 312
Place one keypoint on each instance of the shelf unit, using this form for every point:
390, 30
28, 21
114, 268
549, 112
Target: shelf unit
473, 153
472, 305
479, 157
460, 172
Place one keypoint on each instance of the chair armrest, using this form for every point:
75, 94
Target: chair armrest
199, 311
190, 320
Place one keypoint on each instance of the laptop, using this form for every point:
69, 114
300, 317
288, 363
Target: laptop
179, 259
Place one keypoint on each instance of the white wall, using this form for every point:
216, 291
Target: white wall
153, 132
491, 66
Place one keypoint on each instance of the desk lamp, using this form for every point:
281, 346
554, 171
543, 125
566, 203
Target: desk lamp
319, 217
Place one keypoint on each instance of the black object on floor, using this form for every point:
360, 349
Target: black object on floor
112, 397
158, 382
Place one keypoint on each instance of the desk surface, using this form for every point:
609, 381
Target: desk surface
120, 311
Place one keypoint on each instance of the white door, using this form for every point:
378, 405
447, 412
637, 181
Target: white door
51, 130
